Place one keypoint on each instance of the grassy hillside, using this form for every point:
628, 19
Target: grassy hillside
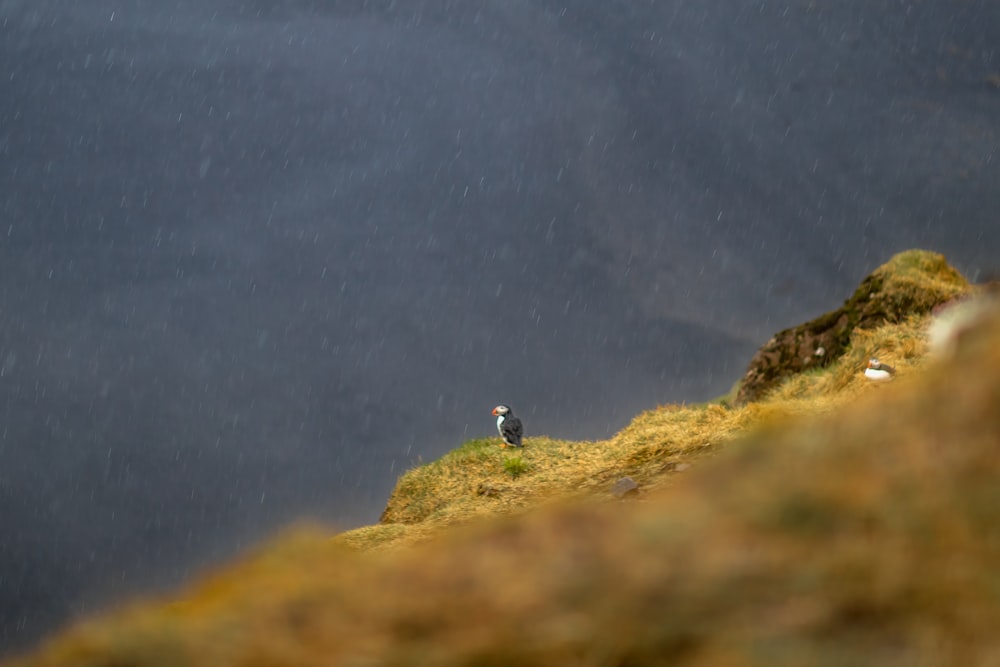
474, 481
909, 285
834, 521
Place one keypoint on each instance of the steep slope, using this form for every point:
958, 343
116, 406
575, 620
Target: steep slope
910, 284
472, 480
839, 522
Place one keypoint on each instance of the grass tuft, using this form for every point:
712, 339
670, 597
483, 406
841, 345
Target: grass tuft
515, 466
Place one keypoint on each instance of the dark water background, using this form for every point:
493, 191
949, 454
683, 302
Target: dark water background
258, 258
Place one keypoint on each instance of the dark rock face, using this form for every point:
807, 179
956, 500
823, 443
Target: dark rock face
912, 283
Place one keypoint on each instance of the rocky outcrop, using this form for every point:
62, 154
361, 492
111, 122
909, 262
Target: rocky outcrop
911, 283
625, 488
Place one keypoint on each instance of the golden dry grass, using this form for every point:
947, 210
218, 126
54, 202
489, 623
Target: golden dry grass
865, 535
839, 521
471, 482
911, 284
920, 276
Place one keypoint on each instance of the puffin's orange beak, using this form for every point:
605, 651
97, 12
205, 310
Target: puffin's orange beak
494, 411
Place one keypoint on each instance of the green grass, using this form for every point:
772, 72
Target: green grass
515, 466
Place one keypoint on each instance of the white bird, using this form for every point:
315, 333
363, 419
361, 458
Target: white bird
878, 371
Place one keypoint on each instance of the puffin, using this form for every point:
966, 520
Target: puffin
878, 371
508, 425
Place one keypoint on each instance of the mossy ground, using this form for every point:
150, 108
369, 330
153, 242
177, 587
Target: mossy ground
838, 521
911, 284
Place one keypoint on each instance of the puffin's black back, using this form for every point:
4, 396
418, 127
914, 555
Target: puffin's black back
512, 429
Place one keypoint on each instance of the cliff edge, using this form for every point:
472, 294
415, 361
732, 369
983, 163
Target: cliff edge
834, 521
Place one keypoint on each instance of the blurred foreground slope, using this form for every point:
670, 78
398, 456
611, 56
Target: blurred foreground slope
838, 521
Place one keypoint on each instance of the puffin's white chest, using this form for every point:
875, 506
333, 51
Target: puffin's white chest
877, 374
499, 424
